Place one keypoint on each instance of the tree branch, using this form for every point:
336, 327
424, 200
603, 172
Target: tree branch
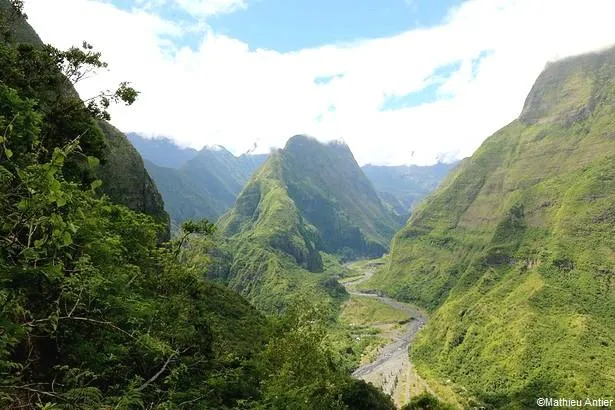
157, 375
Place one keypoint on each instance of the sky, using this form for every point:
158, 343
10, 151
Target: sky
400, 81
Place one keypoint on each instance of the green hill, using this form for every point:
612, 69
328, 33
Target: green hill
124, 177
327, 192
515, 252
193, 184
308, 198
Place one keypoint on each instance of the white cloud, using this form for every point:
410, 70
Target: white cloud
197, 8
226, 93
211, 7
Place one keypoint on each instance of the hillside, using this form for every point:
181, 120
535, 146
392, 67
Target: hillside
327, 190
402, 187
308, 198
182, 200
97, 313
515, 252
122, 172
195, 184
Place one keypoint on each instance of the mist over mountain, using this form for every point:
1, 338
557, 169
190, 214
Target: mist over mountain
403, 187
163, 152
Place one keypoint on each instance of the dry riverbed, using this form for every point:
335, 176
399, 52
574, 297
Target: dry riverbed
390, 368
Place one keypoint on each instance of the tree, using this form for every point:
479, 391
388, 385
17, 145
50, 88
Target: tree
426, 401
48, 75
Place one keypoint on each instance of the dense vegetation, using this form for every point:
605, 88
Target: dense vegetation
515, 253
307, 201
94, 312
121, 168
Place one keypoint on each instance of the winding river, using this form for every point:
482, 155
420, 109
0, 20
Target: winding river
392, 370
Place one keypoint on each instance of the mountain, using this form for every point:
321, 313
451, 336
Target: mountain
123, 174
182, 200
126, 180
328, 192
161, 151
96, 313
306, 199
195, 184
403, 187
515, 252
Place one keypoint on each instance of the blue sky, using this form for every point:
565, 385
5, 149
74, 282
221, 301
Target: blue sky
401, 81
287, 25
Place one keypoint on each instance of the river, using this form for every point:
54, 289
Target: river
392, 370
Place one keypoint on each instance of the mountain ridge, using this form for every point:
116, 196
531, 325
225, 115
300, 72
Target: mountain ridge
196, 184
307, 201
514, 252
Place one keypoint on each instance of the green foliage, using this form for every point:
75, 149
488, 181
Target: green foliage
302, 369
78, 280
46, 75
203, 227
426, 401
96, 314
514, 253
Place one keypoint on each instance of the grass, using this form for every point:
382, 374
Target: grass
515, 253
363, 311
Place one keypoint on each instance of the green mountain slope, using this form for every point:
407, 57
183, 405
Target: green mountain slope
516, 250
182, 200
325, 188
126, 180
308, 198
124, 177
402, 187
193, 184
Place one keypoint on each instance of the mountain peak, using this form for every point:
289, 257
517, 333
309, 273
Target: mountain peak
300, 140
565, 91
214, 147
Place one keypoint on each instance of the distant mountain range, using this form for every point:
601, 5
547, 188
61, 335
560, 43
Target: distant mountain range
205, 184
195, 184
403, 187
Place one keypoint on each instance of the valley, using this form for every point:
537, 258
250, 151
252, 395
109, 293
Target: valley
138, 274
390, 370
